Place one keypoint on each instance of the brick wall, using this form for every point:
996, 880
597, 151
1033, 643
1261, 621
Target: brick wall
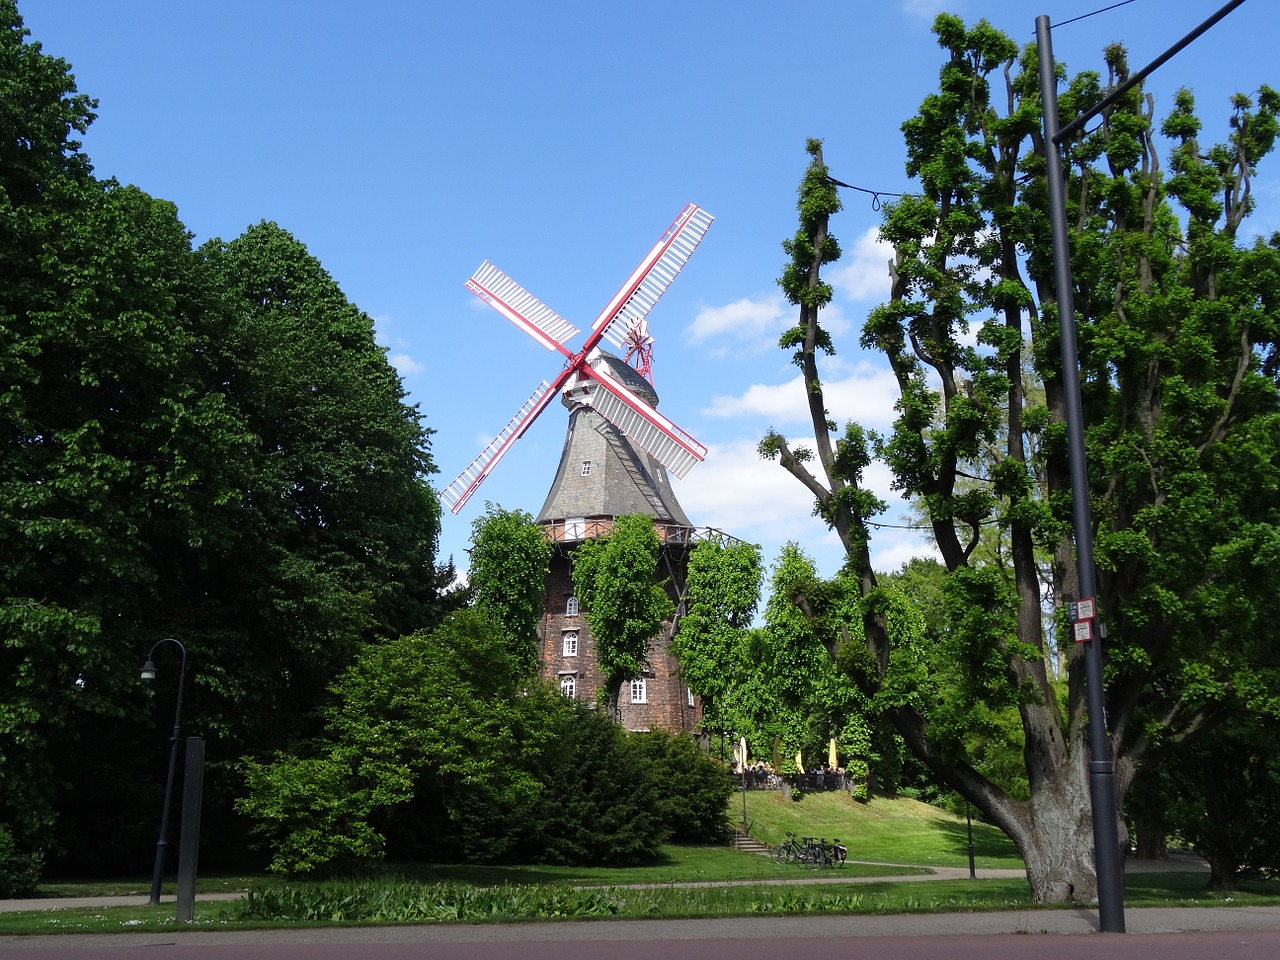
666, 705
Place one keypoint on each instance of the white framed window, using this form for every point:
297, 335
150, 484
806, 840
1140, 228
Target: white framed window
569, 686
570, 648
639, 691
571, 608
689, 694
586, 468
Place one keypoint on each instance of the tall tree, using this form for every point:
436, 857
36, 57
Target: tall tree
207, 446
510, 556
722, 593
330, 538
1178, 345
105, 412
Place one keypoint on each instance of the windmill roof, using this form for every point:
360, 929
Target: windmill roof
601, 472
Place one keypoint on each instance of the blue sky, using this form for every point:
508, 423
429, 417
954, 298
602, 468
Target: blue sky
405, 142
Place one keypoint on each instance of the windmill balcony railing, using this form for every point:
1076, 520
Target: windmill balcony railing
574, 531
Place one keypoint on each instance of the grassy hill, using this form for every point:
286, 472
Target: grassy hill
891, 831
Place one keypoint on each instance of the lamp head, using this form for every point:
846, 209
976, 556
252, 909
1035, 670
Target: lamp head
149, 670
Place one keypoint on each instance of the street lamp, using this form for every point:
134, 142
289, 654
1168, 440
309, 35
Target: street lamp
149, 673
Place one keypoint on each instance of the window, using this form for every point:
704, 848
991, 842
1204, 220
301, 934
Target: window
568, 686
586, 468
571, 643
639, 691
571, 608
689, 694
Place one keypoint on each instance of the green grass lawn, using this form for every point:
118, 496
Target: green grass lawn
890, 831
729, 883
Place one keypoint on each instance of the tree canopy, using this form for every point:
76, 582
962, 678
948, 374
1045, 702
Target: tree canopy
616, 581
1177, 319
510, 556
200, 444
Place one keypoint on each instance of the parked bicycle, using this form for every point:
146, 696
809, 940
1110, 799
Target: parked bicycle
810, 852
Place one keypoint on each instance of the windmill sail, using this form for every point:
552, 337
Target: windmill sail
459, 492
650, 280
644, 425
623, 323
521, 307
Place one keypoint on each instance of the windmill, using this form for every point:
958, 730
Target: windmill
623, 323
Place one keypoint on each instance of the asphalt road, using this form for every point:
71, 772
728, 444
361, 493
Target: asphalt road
1243, 933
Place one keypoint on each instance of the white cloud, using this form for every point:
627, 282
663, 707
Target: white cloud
862, 392
753, 499
864, 274
396, 347
777, 403
758, 322
405, 363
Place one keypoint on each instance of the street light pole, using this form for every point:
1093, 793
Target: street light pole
1102, 790
149, 673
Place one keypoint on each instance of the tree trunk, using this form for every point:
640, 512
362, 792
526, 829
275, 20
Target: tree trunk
1223, 875
1053, 832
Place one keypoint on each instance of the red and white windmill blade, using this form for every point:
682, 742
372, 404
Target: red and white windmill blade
622, 323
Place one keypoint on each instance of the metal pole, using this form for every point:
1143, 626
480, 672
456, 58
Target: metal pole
1142, 74
1102, 788
157, 874
189, 834
968, 819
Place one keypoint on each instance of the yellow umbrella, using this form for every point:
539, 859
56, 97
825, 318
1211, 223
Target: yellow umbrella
743, 743
831, 754
799, 761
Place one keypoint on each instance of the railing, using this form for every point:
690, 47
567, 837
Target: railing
572, 531
812, 782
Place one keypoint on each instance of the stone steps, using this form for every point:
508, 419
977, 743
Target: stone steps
749, 844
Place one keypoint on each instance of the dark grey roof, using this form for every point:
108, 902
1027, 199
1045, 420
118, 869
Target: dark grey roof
621, 478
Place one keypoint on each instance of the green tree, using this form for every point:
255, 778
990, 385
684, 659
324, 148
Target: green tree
616, 581
422, 724
694, 788
722, 593
437, 747
105, 410
602, 800
208, 446
510, 556
1178, 338
1223, 797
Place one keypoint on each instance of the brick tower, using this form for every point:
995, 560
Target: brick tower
603, 475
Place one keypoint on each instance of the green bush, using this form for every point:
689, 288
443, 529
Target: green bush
601, 801
19, 872
692, 787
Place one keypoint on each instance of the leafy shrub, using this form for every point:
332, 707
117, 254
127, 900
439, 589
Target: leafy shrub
692, 787
19, 872
602, 804
374, 902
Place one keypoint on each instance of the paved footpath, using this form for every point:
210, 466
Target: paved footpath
1159, 933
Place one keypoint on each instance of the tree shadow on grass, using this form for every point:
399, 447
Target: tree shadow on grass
989, 843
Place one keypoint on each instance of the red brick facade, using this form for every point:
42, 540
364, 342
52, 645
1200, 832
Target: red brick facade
666, 703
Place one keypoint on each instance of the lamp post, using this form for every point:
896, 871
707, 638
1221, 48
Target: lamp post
149, 673
1102, 790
